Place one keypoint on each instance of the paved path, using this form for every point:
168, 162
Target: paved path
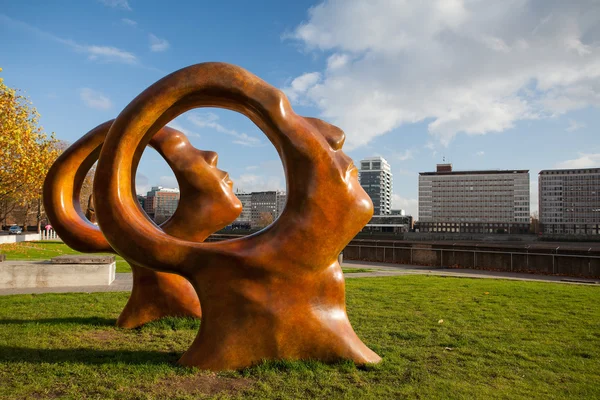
124, 281
386, 269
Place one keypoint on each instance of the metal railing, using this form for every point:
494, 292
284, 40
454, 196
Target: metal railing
554, 256
48, 234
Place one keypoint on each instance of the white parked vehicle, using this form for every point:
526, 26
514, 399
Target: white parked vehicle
15, 230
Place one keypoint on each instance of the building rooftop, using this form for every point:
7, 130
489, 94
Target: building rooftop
479, 172
374, 158
572, 170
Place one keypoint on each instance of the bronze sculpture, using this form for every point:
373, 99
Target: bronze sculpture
205, 207
280, 293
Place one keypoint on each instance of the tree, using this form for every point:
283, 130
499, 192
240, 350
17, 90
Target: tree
265, 219
535, 223
26, 152
86, 189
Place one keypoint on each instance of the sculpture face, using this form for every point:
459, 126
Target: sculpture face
213, 184
207, 198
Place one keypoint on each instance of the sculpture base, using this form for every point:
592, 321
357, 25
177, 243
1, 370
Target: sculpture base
42, 274
157, 295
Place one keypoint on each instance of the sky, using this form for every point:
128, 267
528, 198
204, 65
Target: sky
481, 84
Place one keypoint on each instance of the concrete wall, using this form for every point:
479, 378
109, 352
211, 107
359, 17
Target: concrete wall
33, 274
24, 237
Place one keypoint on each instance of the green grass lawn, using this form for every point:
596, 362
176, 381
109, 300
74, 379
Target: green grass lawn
440, 338
356, 270
45, 250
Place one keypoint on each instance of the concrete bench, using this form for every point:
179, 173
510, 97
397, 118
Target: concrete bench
61, 271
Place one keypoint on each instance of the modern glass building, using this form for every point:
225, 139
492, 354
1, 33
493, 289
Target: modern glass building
569, 201
375, 176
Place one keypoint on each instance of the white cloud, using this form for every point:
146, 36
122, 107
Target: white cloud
168, 181
122, 4
574, 125
407, 154
469, 67
585, 160
94, 99
157, 44
185, 131
337, 61
411, 206
94, 52
480, 153
268, 175
209, 120
301, 84
142, 185
129, 22
258, 183
105, 53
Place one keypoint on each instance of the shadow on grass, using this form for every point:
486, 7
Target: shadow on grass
90, 321
85, 356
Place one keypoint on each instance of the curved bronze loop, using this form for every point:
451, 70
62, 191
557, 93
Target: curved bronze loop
278, 294
309, 148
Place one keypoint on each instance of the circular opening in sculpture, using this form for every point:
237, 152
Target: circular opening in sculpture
153, 179
245, 157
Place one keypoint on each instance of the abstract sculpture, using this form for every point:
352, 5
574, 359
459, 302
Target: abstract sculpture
280, 293
205, 207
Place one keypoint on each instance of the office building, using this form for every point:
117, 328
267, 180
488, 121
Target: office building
271, 202
375, 177
161, 203
142, 200
246, 215
256, 204
569, 201
281, 200
492, 201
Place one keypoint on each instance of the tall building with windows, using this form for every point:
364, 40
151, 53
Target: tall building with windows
246, 200
474, 201
375, 176
161, 202
569, 201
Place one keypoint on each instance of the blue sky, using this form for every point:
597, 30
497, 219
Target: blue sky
485, 84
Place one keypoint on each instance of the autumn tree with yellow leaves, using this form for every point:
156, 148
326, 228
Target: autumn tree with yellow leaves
26, 153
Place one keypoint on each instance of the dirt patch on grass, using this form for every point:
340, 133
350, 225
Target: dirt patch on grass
209, 384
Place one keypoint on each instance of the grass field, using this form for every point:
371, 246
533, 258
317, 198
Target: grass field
356, 270
440, 338
46, 250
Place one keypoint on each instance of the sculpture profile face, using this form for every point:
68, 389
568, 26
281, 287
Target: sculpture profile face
345, 187
207, 198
